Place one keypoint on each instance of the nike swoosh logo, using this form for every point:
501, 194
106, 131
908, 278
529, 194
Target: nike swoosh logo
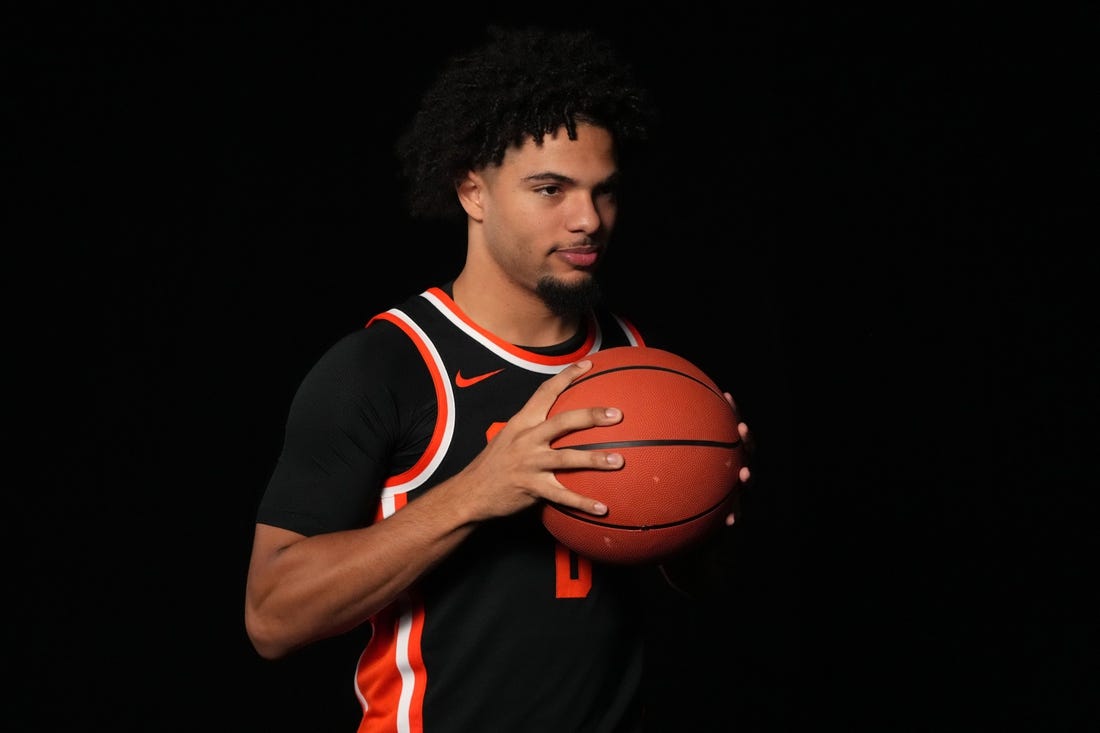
462, 381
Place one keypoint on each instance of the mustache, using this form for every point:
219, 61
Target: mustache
583, 244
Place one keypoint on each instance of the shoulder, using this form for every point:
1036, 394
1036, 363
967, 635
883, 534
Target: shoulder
360, 363
374, 345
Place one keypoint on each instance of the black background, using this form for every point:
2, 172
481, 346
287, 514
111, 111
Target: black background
869, 224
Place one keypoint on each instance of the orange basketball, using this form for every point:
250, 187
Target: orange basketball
682, 454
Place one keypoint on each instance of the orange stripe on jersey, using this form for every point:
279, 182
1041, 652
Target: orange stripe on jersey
390, 677
438, 382
559, 360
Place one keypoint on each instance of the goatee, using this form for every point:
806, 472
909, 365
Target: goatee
569, 299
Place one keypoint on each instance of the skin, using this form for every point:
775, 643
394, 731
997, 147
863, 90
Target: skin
541, 213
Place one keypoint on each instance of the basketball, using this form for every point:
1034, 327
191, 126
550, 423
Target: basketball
682, 452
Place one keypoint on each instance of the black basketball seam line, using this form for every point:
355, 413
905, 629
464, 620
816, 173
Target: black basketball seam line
612, 444
627, 367
587, 519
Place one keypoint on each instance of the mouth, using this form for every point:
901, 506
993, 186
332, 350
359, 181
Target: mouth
580, 256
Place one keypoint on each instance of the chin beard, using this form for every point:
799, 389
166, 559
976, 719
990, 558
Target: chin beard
569, 299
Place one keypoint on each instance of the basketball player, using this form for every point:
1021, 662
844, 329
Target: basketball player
417, 449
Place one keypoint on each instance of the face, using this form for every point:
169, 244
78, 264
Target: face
547, 213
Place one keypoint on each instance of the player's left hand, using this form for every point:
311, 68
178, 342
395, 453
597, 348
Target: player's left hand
747, 448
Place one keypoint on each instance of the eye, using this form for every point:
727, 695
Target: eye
550, 190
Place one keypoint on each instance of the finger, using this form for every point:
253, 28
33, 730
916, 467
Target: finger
544, 396
746, 438
580, 419
584, 504
577, 459
742, 427
729, 399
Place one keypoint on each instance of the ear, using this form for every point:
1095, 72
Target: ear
469, 190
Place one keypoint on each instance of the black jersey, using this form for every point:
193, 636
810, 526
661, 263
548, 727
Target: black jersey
510, 632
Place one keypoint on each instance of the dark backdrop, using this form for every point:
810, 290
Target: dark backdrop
857, 223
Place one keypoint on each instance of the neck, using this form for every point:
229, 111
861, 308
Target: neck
511, 312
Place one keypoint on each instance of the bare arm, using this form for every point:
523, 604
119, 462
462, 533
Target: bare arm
301, 589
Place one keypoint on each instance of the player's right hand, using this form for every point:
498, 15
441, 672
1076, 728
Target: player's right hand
517, 468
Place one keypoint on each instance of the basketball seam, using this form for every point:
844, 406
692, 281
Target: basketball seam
628, 367
587, 519
611, 444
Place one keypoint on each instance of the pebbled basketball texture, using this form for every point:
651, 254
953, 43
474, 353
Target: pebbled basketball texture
682, 454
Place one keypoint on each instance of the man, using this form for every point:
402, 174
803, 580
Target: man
417, 449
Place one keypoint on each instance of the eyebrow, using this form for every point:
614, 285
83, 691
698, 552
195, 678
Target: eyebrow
549, 176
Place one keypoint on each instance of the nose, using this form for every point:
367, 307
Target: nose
590, 213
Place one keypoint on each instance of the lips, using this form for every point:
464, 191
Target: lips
580, 256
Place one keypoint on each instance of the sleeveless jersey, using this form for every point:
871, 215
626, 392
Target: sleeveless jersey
511, 631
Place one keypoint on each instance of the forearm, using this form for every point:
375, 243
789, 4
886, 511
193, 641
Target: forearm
311, 588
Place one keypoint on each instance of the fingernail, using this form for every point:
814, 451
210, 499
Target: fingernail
614, 459
599, 508
612, 412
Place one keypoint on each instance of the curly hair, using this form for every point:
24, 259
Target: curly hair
522, 83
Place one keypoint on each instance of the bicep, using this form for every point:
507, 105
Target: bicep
343, 430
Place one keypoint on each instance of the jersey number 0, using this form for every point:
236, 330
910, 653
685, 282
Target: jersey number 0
572, 572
